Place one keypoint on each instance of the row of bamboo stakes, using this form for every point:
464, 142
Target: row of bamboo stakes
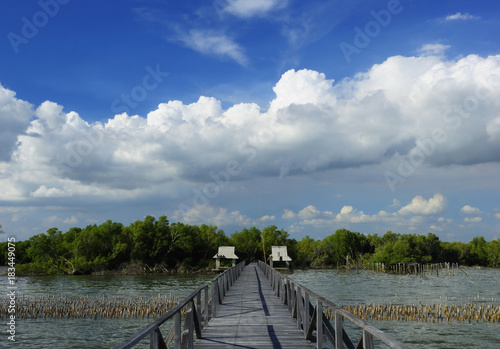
89, 307
446, 269
461, 313
140, 307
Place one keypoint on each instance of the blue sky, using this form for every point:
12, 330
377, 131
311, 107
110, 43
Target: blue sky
310, 115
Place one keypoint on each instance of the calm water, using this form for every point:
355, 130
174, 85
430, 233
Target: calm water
352, 289
89, 333
340, 288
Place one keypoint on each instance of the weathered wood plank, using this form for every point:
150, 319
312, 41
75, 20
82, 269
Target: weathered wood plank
251, 316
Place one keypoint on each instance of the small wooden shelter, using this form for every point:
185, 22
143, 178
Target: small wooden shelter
279, 254
226, 252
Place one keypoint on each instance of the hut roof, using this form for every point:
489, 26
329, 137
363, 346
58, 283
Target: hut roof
280, 253
226, 252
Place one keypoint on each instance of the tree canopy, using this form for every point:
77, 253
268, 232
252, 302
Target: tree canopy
157, 244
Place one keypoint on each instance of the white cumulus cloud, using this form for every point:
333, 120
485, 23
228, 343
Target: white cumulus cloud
469, 210
43, 191
289, 214
15, 116
267, 218
217, 216
411, 215
71, 220
420, 206
472, 219
308, 212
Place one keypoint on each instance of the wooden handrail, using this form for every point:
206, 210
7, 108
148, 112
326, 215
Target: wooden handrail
153, 329
222, 283
196, 316
312, 317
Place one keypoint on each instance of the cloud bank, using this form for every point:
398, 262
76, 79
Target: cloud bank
417, 111
414, 213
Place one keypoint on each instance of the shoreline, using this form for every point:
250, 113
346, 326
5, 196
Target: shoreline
136, 269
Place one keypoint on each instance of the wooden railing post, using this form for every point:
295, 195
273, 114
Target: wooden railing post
300, 309
277, 285
205, 310
223, 284
222, 287
288, 294
156, 340
367, 340
283, 290
307, 314
177, 336
319, 324
189, 325
339, 344
215, 297
198, 308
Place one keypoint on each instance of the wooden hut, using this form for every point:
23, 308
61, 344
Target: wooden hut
226, 252
279, 254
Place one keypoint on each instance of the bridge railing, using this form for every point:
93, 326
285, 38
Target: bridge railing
222, 283
311, 317
190, 316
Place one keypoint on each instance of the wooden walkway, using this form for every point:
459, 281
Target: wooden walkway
251, 316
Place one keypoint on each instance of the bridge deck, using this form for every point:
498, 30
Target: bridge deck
251, 316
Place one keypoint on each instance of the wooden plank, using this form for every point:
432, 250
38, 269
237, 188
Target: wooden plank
251, 316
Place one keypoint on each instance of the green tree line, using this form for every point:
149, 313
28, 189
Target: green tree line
158, 245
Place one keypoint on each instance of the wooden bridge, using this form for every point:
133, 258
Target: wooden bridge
257, 307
